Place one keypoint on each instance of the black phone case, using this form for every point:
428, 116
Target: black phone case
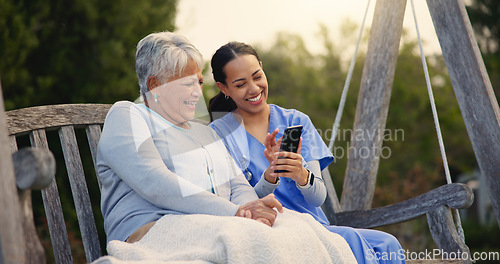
290, 141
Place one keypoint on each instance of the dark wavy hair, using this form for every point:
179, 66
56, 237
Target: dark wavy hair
223, 56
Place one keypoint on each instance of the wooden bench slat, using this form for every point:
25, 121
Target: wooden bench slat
80, 193
13, 144
24, 120
53, 209
34, 249
93, 136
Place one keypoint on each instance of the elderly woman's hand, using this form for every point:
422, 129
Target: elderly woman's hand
261, 210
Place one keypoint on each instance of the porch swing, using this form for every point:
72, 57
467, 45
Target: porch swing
440, 204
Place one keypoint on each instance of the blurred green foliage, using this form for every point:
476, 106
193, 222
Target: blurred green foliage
74, 52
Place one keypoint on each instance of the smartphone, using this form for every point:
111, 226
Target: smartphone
290, 141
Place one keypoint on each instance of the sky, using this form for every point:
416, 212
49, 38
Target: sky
211, 24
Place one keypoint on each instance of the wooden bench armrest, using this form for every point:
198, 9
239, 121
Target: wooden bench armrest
455, 195
34, 168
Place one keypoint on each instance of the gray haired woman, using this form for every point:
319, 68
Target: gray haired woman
153, 161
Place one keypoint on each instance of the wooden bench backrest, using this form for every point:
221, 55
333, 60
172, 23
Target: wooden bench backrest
35, 121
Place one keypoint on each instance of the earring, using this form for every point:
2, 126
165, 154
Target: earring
156, 98
227, 97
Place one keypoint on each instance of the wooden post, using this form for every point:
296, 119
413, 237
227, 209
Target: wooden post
444, 232
373, 105
11, 234
472, 87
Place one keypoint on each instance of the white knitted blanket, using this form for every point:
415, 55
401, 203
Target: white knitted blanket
294, 238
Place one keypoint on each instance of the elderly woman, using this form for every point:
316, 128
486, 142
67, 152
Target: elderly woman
160, 171
153, 161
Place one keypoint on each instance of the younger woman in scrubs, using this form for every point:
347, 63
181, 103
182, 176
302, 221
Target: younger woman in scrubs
249, 127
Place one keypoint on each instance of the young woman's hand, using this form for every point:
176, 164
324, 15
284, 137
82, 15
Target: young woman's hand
272, 146
292, 164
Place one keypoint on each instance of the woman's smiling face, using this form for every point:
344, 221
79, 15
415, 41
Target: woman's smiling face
246, 83
176, 100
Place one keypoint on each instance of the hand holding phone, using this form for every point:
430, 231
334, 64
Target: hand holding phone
290, 141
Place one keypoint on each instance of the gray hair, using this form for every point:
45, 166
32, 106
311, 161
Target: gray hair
163, 54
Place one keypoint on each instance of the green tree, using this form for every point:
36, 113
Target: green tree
72, 52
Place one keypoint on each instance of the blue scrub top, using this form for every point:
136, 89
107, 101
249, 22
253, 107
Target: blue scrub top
248, 152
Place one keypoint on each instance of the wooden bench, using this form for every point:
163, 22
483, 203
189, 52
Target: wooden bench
66, 119
34, 122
